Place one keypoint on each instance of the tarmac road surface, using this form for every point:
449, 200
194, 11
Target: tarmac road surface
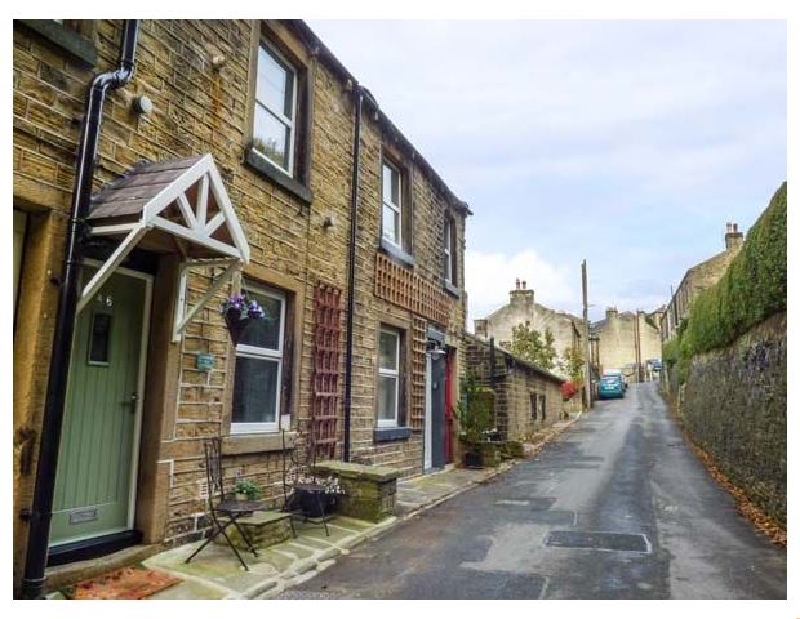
616, 508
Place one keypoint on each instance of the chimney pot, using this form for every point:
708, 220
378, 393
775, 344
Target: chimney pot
517, 282
523, 284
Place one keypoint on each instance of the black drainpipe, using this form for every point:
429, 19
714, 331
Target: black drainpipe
358, 95
492, 380
41, 510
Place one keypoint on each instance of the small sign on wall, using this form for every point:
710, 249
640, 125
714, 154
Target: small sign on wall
204, 361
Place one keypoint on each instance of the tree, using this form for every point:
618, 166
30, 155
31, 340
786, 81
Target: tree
573, 364
526, 343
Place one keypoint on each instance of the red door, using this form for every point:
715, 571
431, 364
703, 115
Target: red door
448, 406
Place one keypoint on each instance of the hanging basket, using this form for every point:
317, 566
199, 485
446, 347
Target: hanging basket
236, 324
239, 311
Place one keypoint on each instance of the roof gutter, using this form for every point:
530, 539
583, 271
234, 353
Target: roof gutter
335, 64
40, 513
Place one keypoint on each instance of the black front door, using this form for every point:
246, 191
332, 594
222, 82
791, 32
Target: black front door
437, 411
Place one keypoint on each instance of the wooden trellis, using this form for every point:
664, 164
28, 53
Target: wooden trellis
324, 419
418, 374
403, 287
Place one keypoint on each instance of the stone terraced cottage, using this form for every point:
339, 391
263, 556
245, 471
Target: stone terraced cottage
226, 160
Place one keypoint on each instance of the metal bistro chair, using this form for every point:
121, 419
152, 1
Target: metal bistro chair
294, 489
223, 510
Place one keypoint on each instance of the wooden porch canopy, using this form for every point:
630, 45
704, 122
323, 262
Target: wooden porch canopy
171, 206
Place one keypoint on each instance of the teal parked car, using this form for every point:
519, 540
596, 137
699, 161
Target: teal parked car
610, 387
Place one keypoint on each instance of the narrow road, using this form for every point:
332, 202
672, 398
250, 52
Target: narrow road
617, 508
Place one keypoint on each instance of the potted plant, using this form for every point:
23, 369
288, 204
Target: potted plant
239, 310
315, 492
247, 490
475, 412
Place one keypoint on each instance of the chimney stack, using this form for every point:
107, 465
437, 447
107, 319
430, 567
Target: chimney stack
733, 238
521, 296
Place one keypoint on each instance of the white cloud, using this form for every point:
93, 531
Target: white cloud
490, 276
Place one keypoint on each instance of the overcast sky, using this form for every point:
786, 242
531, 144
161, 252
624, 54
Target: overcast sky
628, 143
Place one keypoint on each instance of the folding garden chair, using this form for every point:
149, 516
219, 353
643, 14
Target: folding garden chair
224, 510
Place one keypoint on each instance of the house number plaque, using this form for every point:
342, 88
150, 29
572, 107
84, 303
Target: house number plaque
204, 361
83, 515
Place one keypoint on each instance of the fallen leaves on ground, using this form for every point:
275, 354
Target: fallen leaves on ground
746, 507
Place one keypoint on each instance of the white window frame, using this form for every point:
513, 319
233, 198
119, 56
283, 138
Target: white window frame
449, 248
266, 354
278, 114
388, 373
387, 203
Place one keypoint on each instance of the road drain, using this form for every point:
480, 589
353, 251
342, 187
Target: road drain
552, 517
598, 540
297, 594
535, 503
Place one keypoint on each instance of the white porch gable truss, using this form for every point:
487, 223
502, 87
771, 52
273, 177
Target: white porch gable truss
179, 205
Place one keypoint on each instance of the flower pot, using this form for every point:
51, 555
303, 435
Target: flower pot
473, 460
310, 503
241, 496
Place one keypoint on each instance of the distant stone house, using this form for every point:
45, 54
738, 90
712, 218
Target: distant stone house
696, 279
568, 330
526, 398
225, 163
625, 341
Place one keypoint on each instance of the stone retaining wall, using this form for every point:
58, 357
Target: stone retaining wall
734, 407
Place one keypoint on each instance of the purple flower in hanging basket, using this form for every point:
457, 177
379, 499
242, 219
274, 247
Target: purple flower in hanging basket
241, 307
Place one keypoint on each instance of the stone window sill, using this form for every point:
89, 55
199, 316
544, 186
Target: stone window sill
384, 435
78, 46
257, 162
451, 290
239, 444
398, 254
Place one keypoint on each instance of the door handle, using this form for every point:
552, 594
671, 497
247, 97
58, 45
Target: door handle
131, 401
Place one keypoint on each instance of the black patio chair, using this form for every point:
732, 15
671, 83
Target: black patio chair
224, 510
298, 494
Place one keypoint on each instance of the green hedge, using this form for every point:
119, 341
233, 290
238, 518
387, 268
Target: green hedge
752, 289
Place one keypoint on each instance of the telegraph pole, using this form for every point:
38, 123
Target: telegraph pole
637, 351
588, 381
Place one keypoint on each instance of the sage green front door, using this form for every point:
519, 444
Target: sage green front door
93, 493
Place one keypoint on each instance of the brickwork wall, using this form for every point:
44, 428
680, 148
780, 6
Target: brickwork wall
199, 109
734, 405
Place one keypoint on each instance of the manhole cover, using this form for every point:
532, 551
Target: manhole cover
554, 516
598, 540
294, 594
534, 503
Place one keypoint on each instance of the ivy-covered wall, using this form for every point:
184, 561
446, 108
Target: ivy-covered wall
752, 289
727, 365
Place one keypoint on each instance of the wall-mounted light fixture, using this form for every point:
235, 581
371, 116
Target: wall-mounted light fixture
435, 351
142, 105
